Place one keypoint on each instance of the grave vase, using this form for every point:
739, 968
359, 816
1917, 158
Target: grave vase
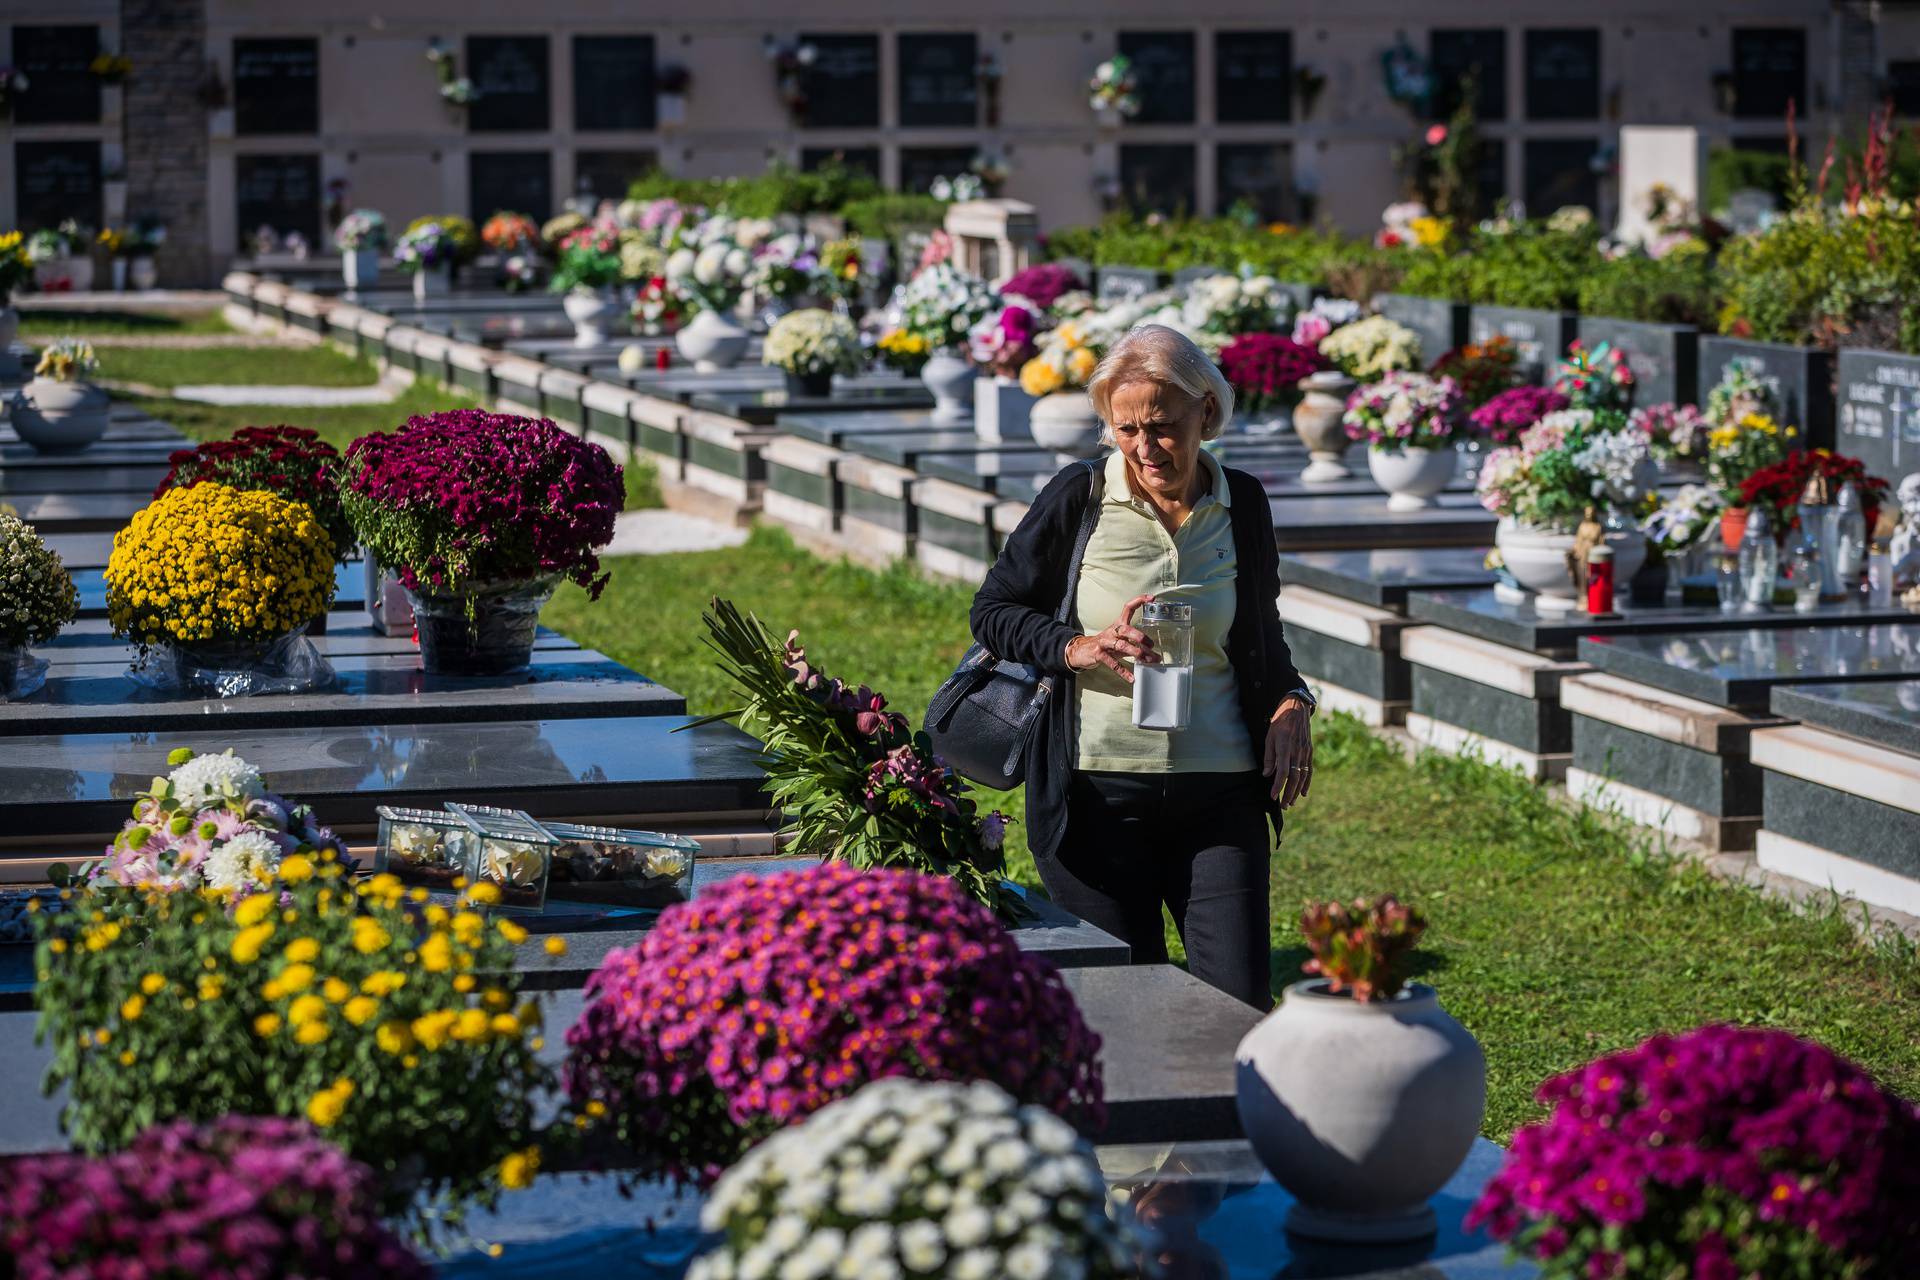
1733, 527
1410, 476
1316, 419
817, 385
1361, 1110
118, 267
1066, 423
142, 274
59, 417
588, 309
712, 341
432, 282
485, 631
950, 379
360, 268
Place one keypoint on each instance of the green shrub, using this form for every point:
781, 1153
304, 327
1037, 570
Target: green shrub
1676, 289
779, 190
1730, 169
1825, 278
1531, 265
890, 214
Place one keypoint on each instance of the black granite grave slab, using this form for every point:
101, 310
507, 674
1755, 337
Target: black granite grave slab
837, 428
368, 690
76, 512
1536, 725
1740, 669
403, 306
1805, 375
1003, 474
1313, 522
1884, 713
77, 478
1385, 578
907, 448
1828, 818
1664, 357
350, 579
1441, 324
1522, 626
1540, 338
1725, 786
129, 453
348, 633
1878, 417
619, 768
1319, 656
768, 407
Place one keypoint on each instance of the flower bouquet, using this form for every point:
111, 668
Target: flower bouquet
1221, 307
709, 272
243, 1197
1675, 430
558, 228
1311, 327
1504, 416
293, 462
481, 515
1742, 390
1265, 371
1596, 378
1003, 342
507, 232
1737, 449
810, 347
1683, 521
37, 598
1722, 1153
942, 304
1066, 361
361, 230
16, 271
920, 1180
769, 997
588, 260
843, 271
1777, 487
1112, 92
1042, 285
360, 1007
1369, 349
903, 350
59, 410
854, 780
1482, 370
656, 308
217, 585
785, 269
431, 248
1404, 411
640, 259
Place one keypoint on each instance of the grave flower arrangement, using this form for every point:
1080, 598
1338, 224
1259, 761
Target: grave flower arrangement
1483, 370
37, 598
1504, 416
1002, 343
1265, 369
1042, 285
785, 267
244, 1197
919, 1180
1370, 349
432, 243
67, 360
16, 266
770, 997
903, 350
1721, 1153
1113, 88
942, 304
1594, 378
558, 228
656, 307
1362, 949
1683, 520
843, 271
588, 260
1312, 326
1569, 463
1066, 361
508, 232
1777, 487
361, 229
1741, 391
293, 462
1404, 411
640, 259
1675, 430
710, 268
1737, 449
813, 344
855, 781
358, 1007
1217, 308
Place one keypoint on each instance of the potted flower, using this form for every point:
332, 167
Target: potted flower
785, 274
1595, 378
1573, 467
59, 411
586, 271
140, 242
656, 310
1504, 416
843, 273
1736, 450
1217, 308
431, 248
708, 270
1482, 370
855, 975
1040, 1203
1359, 1093
942, 304
481, 515
61, 258
1722, 1152
1677, 431
234, 624
37, 598
1368, 349
1777, 488
1042, 285
1062, 417
360, 237
903, 350
1112, 92
1265, 371
1409, 421
16, 272
1000, 345
810, 347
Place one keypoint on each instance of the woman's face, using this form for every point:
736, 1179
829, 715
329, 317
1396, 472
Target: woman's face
1157, 429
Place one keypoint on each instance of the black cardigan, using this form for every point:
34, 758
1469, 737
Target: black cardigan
1013, 616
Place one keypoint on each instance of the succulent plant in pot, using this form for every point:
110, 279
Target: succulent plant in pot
1359, 1093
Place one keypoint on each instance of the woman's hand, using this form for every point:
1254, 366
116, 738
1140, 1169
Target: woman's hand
1109, 647
1289, 755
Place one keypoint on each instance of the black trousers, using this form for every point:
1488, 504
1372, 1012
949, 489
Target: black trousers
1195, 842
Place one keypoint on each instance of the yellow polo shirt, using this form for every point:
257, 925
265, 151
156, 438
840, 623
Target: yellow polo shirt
1130, 554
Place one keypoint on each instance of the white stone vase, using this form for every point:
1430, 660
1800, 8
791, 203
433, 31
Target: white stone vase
360, 268
1411, 477
59, 417
1001, 410
712, 341
432, 282
1361, 1111
589, 309
1539, 560
142, 273
118, 267
950, 379
1316, 420
1066, 423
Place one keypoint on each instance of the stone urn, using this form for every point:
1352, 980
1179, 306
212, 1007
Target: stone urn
432, 282
59, 417
1316, 419
712, 341
1412, 477
1066, 423
589, 310
1540, 560
360, 268
1362, 1111
950, 379
142, 274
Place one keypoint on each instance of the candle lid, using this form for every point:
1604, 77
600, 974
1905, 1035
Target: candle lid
1815, 494
1600, 554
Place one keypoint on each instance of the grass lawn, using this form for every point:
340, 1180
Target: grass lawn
236, 366
1556, 935
58, 324
340, 425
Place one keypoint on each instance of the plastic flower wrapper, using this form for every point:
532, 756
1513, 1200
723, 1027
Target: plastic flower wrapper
1371, 348
770, 997
911, 1180
813, 342
1404, 411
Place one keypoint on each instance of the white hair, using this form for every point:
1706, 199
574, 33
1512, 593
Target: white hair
1156, 353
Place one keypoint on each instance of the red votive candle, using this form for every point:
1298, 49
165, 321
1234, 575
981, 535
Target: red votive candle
663, 359
1600, 580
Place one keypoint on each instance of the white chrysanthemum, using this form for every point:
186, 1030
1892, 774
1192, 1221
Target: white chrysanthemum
922, 1246
244, 862
205, 781
1027, 1262
967, 1227
976, 1264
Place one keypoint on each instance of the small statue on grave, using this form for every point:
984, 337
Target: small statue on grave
1903, 548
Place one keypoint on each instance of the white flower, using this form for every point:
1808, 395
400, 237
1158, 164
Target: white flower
207, 780
709, 263
786, 1232
976, 1264
922, 1247
243, 862
680, 264
1007, 1157
1027, 1262
1050, 1134
816, 1258
967, 1227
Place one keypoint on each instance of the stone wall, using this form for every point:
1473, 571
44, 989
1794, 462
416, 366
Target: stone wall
166, 131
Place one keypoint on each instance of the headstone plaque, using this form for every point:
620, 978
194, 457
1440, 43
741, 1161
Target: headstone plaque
1559, 171
1440, 322
1769, 71
518, 181
1804, 375
57, 180
1256, 174
276, 85
854, 159
1158, 178
1480, 52
843, 84
1187, 275
1563, 74
1664, 357
613, 83
1163, 70
938, 85
1121, 284
1539, 338
1252, 78
61, 87
282, 192
606, 175
510, 74
1879, 417
919, 166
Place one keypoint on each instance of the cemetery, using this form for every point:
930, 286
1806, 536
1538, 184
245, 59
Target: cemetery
413, 861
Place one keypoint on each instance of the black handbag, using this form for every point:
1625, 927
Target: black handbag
984, 714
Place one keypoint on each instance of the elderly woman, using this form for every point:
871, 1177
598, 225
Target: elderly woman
1124, 820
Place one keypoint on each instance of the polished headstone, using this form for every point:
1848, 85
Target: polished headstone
76, 512
1385, 578
907, 448
1741, 668
838, 428
348, 633
769, 406
1884, 713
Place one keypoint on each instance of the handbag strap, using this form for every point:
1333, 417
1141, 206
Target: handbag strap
1087, 520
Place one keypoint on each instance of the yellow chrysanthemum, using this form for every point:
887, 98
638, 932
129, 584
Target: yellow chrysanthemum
517, 1170
383, 982
152, 985
312, 1033
253, 910
306, 1009
394, 1037
266, 1024
360, 1010
303, 950
132, 1007
247, 943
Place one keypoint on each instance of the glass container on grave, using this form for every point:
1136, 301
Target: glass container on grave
509, 850
424, 847
1844, 535
1759, 562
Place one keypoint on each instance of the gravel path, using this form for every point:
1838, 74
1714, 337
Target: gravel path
653, 533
